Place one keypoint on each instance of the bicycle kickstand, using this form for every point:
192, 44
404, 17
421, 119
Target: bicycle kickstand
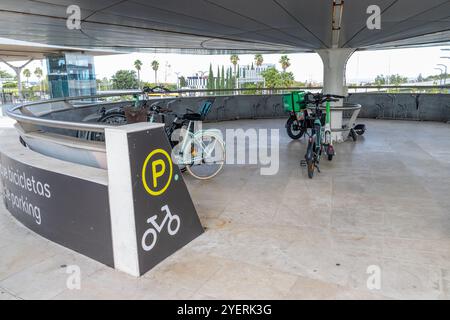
317, 166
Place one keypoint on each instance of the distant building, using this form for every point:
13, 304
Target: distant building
252, 73
197, 82
71, 74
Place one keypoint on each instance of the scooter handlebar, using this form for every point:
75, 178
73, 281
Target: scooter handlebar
334, 96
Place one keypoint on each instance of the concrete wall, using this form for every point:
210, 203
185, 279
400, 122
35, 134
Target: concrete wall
403, 106
425, 107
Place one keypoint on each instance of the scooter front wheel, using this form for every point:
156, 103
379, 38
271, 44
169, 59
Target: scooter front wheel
311, 167
294, 128
353, 135
330, 152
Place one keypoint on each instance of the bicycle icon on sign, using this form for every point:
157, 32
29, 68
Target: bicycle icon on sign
173, 225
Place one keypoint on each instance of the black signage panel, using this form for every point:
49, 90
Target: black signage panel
165, 215
64, 209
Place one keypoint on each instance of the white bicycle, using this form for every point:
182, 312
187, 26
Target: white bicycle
173, 225
202, 153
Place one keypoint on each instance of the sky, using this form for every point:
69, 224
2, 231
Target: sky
363, 65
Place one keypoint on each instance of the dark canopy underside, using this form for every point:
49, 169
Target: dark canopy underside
223, 26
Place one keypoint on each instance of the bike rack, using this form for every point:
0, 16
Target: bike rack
137, 228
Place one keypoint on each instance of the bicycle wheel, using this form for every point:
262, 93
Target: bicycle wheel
310, 160
204, 156
115, 118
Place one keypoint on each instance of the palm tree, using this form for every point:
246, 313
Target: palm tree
138, 66
259, 60
234, 60
27, 74
38, 74
155, 67
285, 62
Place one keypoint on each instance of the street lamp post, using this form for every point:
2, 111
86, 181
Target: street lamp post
440, 78
178, 79
445, 72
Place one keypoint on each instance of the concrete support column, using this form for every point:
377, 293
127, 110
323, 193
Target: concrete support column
334, 66
18, 71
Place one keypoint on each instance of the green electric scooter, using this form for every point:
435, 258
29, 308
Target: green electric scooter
320, 139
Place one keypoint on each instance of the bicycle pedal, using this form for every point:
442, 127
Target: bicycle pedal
303, 163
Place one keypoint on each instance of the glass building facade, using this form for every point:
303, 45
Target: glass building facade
71, 75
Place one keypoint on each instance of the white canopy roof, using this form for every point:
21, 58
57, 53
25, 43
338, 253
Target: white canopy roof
222, 26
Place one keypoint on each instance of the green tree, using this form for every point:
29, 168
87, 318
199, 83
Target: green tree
10, 85
286, 79
252, 88
210, 82
271, 77
259, 60
380, 80
38, 73
420, 78
218, 79
285, 62
103, 84
222, 78
155, 67
396, 79
27, 74
5, 75
124, 79
138, 67
183, 82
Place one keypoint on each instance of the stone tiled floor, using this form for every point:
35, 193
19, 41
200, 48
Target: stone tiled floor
6, 122
383, 201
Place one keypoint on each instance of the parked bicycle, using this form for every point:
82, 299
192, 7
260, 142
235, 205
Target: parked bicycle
201, 153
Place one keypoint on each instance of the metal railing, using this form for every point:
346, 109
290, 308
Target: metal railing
280, 90
22, 114
25, 116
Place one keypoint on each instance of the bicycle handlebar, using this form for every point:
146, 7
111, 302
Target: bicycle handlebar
335, 96
319, 98
159, 109
153, 90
